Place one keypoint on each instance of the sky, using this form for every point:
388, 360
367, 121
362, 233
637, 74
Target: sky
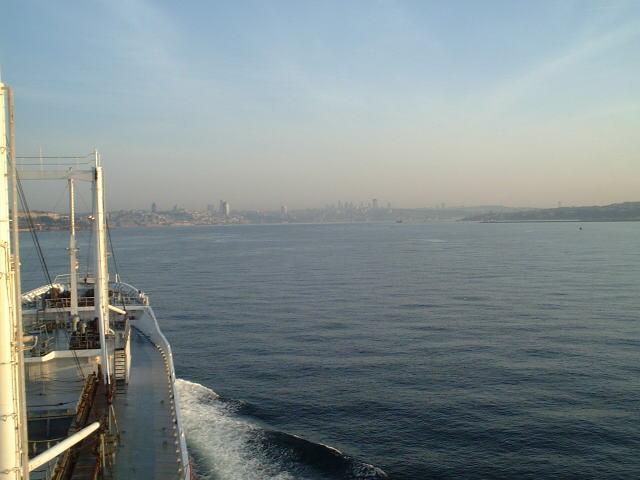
304, 103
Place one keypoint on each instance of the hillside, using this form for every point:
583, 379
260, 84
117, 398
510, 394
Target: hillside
616, 212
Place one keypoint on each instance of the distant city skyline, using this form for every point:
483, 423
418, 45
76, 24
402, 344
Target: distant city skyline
223, 207
265, 104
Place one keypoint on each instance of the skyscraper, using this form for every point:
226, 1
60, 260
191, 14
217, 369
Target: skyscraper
225, 208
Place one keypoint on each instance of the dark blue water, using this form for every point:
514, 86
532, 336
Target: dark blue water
443, 350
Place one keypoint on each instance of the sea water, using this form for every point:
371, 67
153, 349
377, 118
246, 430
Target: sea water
355, 351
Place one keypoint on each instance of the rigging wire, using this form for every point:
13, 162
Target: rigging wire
55, 205
113, 252
40, 253
82, 199
32, 231
115, 260
89, 250
63, 157
85, 205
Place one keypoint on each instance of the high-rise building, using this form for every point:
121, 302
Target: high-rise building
374, 203
154, 208
283, 210
225, 208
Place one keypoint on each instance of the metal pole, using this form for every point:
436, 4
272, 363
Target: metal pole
101, 287
15, 239
10, 415
73, 262
61, 447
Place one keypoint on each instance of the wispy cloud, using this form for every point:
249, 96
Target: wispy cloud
518, 88
143, 38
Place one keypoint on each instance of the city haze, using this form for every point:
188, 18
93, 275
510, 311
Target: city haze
302, 104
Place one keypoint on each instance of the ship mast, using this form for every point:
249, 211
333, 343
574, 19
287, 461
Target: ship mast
73, 262
11, 396
101, 287
14, 461
15, 239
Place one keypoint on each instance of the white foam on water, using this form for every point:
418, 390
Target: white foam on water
224, 442
331, 448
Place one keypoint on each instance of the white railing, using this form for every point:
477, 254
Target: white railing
120, 293
32, 295
81, 278
130, 292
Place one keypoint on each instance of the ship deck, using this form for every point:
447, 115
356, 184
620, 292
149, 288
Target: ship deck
146, 417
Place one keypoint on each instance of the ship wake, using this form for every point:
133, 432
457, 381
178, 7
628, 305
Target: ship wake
228, 446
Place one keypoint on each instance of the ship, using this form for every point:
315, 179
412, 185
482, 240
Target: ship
87, 380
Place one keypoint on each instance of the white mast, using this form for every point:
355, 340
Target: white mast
10, 399
15, 240
101, 287
73, 262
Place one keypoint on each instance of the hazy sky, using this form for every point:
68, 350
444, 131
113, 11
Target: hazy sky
310, 102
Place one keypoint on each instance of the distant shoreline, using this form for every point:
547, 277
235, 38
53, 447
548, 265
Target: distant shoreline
553, 221
175, 225
616, 212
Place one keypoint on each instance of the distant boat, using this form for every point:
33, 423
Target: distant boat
399, 221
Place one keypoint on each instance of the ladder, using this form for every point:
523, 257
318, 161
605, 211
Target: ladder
120, 370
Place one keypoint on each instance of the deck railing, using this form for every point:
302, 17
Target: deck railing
120, 294
51, 303
115, 298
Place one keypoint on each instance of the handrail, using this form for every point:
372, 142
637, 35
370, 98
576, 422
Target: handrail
130, 291
31, 295
50, 303
119, 292
59, 448
82, 277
